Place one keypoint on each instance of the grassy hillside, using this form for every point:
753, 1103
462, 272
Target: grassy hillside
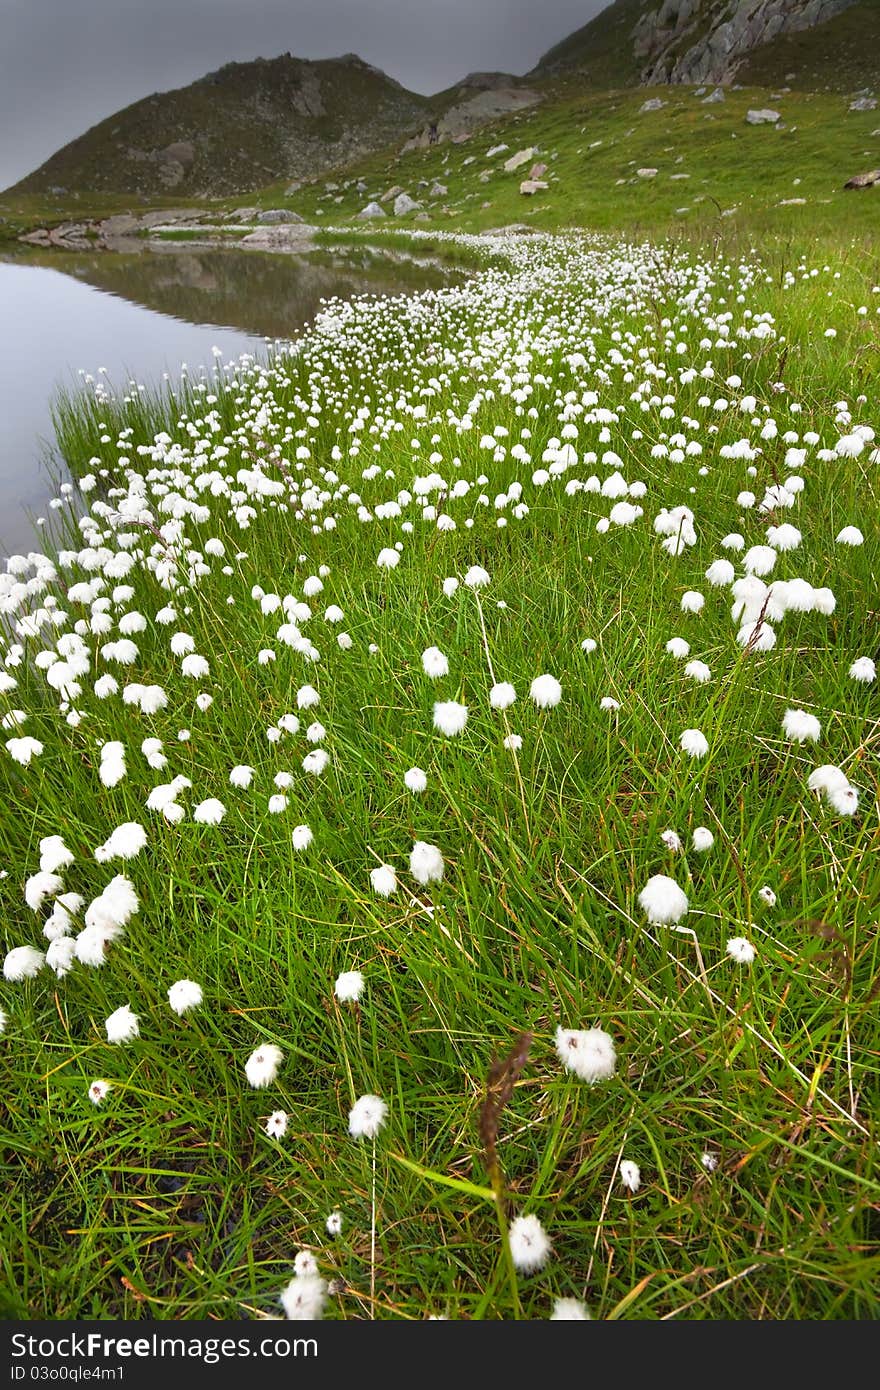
236, 129
715, 173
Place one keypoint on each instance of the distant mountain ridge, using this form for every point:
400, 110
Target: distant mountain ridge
286, 118
237, 129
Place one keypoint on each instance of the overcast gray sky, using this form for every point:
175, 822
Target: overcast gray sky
66, 64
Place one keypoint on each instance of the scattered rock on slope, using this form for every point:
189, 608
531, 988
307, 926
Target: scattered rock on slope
863, 180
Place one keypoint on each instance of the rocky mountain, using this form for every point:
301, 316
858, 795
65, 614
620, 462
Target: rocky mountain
237, 129
695, 41
717, 41
252, 124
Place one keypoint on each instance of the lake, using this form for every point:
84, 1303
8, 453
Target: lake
135, 316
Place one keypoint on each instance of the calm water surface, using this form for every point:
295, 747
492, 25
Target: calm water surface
138, 316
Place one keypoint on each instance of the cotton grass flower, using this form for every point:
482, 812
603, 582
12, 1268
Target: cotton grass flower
54, 854
850, 535
99, 1091
301, 837
316, 762
662, 901
569, 1310
692, 602
450, 717
415, 780
694, 743
767, 896
698, 671
426, 863
366, 1117
349, 986
530, 1245
209, 812
261, 1068
333, 1224
589, 1053
122, 1025
305, 1296
546, 691
22, 963
476, 577
126, 842
502, 695
276, 1124
702, 839
863, 669
740, 950
184, 995
434, 663
23, 750
61, 955
41, 886
801, 727
844, 800
630, 1175
383, 880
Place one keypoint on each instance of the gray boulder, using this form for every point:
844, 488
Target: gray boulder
764, 116
404, 204
518, 159
652, 104
863, 104
369, 212
273, 217
864, 180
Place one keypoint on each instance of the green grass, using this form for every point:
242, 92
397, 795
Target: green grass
737, 177
169, 1200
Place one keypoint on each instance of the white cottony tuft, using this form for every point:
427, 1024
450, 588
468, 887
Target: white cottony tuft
426, 863
184, 995
366, 1117
434, 663
529, 1244
261, 1068
22, 963
569, 1310
304, 1298
383, 880
740, 950
588, 1052
122, 1025
630, 1174
546, 691
800, 726
349, 986
662, 901
450, 717
502, 695
694, 743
